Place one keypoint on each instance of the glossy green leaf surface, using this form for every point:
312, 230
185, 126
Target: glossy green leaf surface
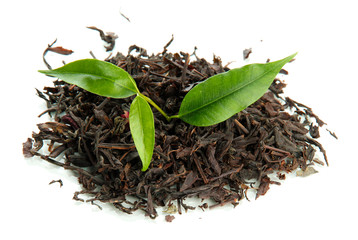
96, 76
141, 123
223, 95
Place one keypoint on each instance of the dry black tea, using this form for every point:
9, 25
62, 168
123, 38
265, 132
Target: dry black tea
90, 135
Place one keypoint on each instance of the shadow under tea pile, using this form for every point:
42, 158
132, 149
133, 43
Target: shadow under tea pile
90, 136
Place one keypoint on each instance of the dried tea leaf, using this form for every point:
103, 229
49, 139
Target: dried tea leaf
211, 157
26, 148
109, 38
60, 50
189, 181
246, 53
309, 171
171, 209
169, 218
57, 181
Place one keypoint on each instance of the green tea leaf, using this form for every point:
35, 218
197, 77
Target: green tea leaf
223, 95
98, 77
141, 123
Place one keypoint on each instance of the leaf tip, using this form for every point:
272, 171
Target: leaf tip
292, 56
47, 72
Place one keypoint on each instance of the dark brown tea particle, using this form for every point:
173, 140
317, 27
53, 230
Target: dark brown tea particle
247, 52
169, 218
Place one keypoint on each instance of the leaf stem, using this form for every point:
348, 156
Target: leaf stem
174, 116
155, 105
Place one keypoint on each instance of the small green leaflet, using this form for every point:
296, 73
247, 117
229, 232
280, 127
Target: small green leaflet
98, 77
223, 95
141, 124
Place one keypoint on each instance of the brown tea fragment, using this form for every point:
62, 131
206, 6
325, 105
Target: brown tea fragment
263, 188
247, 52
57, 181
304, 173
125, 17
284, 72
27, 147
109, 38
189, 181
169, 218
171, 209
60, 50
332, 134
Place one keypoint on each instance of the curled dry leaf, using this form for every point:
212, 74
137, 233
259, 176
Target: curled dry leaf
60, 50
109, 38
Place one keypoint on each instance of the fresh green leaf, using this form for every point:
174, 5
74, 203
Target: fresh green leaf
98, 77
223, 95
141, 123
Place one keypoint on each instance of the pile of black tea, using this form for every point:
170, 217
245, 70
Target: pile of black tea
90, 136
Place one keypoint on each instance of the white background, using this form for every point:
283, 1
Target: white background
323, 77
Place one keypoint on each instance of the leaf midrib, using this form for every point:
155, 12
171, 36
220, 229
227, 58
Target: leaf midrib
142, 128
